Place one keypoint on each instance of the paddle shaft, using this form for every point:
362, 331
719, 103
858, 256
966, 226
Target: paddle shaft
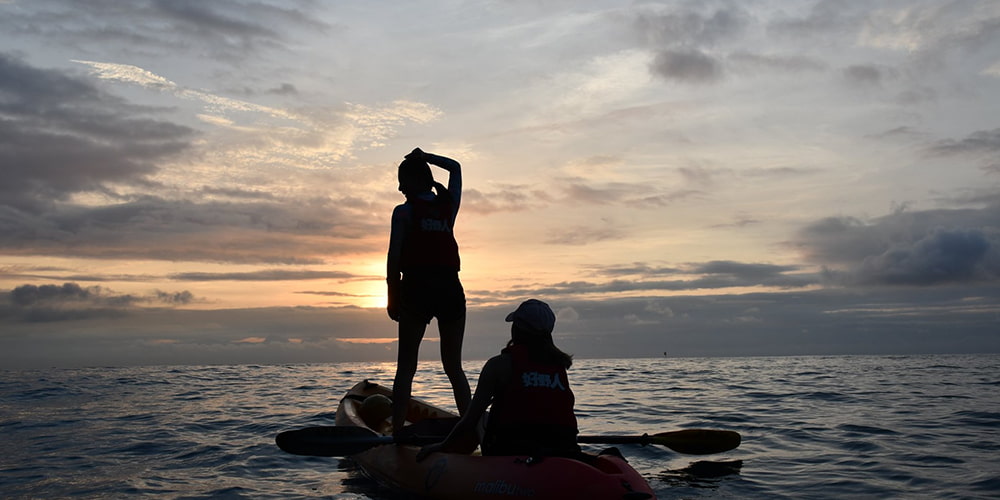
688, 441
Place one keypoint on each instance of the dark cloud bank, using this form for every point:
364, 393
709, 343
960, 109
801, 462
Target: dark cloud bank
953, 319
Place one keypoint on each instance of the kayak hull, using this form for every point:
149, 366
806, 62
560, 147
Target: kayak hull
455, 476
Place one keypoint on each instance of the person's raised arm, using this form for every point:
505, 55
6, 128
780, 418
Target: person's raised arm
454, 172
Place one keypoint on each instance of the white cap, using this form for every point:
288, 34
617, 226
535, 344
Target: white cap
534, 315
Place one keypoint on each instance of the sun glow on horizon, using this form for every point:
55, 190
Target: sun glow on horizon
372, 293
378, 299
385, 340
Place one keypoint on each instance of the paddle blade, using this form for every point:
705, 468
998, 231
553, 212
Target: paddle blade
329, 441
698, 441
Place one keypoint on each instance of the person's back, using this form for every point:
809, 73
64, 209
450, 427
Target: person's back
430, 247
532, 413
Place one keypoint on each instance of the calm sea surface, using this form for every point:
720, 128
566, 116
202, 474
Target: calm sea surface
813, 427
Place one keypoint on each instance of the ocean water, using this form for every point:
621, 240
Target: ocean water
813, 427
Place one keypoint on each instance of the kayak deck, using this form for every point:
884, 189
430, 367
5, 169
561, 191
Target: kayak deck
456, 476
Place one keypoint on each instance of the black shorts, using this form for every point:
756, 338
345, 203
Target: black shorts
432, 295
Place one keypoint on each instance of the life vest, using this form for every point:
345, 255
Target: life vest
430, 243
536, 395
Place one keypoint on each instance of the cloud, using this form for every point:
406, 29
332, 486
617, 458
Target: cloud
250, 133
329, 293
979, 143
837, 240
73, 293
637, 268
823, 19
79, 165
62, 136
225, 31
738, 221
774, 63
754, 272
665, 199
865, 75
52, 273
942, 256
238, 193
71, 302
127, 73
508, 198
268, 275
284, 89
688, 45
742, 271
175, 298
631, 194
687, 27
642, 278
584, 235
917, 248
932, 28
28, 295
686, 66
697, 175
577, 192
306, 232
204, 20
712, 274
903, 133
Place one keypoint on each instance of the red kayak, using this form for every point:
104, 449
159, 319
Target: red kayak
466, 477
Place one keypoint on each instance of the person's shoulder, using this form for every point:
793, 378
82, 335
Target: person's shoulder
499, 360
503, 361
497, 368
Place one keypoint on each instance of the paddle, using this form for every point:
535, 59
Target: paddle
687, 441
332, 441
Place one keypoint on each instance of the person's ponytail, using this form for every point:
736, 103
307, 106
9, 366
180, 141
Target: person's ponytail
541, 347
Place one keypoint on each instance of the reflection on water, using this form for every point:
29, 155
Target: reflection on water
701, 474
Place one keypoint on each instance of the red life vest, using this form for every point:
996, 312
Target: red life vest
536, 394
430, 243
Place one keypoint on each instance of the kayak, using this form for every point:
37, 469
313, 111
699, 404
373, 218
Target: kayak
447, 476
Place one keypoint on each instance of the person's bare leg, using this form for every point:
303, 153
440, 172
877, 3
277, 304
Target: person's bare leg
452, 334
411, 332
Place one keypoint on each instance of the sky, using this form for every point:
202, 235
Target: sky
211, 182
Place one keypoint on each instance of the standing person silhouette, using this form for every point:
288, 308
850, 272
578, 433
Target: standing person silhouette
422, 276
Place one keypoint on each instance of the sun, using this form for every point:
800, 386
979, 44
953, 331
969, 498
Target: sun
371, 293
374, 295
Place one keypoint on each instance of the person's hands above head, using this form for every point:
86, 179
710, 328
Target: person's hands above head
427, 450
416, 154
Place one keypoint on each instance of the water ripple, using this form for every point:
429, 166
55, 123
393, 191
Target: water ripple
813, 427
